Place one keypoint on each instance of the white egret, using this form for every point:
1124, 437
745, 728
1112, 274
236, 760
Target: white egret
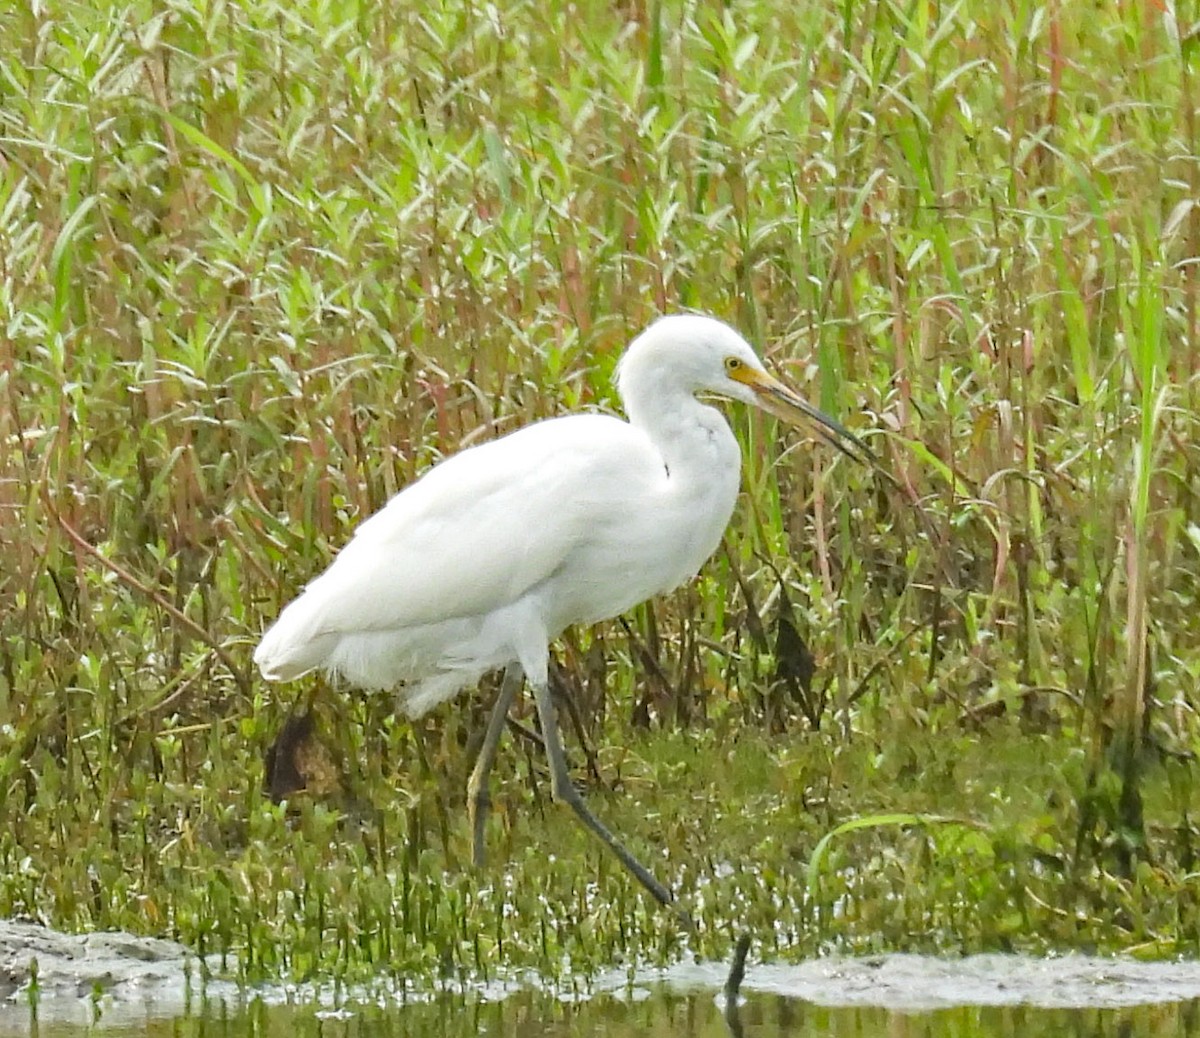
489, 556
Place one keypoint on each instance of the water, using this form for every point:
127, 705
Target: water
882, 997
663, 1013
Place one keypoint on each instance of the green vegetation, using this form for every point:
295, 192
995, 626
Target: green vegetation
262, 263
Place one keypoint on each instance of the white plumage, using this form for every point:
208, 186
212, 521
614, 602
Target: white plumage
491, 554
571, 520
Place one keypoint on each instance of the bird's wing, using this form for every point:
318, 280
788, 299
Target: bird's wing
480, 529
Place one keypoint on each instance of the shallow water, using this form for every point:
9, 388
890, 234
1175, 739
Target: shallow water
897, 996
663, 1013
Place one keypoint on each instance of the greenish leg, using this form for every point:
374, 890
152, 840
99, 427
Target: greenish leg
478, 798
564, 791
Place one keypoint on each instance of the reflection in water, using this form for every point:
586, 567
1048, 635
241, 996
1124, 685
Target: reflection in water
661, 1013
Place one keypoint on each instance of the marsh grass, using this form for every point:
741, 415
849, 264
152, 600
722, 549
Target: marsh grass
263, 264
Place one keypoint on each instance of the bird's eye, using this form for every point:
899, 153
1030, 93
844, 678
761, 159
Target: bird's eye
732, 364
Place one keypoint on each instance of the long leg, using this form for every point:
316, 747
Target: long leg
478, 800
564, 791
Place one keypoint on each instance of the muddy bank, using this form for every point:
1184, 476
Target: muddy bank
87, 964
916, 983
108, 976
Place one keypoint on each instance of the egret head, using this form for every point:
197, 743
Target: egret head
701, 355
